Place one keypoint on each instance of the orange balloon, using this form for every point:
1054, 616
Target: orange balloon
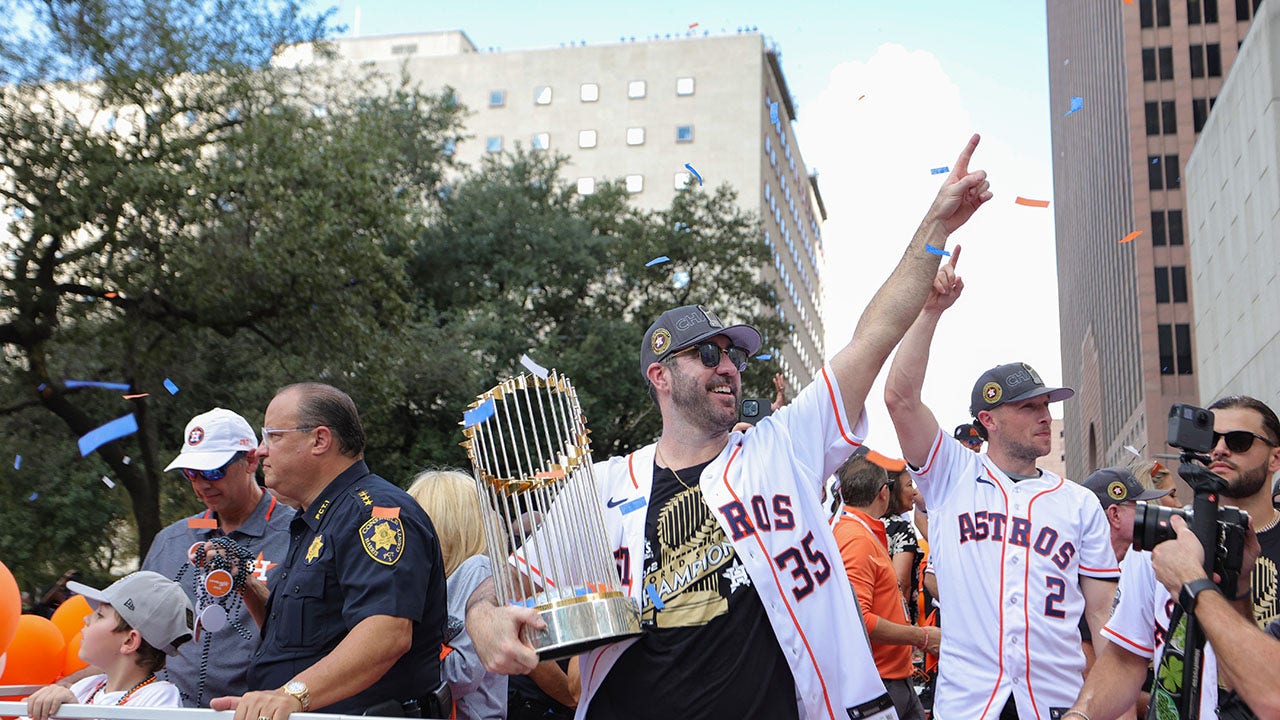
34, 656
70, 615
10, 607
71, 657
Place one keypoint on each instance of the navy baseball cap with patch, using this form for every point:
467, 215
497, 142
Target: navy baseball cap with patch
1013, 382
967, 433
687, 326
1115, 485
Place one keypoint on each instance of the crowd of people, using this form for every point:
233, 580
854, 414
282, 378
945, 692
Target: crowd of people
327, 588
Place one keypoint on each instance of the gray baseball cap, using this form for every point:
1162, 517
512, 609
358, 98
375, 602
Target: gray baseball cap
688, 325
152, 604
1012, 382
1115, 485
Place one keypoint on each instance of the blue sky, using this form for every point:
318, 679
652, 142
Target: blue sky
932, 72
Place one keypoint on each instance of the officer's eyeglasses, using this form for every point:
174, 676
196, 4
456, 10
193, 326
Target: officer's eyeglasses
268, 432
709, 353
1239, 441
212, 475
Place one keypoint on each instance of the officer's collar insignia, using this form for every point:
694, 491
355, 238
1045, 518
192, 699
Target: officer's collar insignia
383, 539
313, 552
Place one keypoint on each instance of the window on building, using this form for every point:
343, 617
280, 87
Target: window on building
586, 185
542, 95
635, 89
1172, 172
1159, 236
1169, 116
1178, 283
635, 136
684, 133
1149, 73
1162, 13
1164, 336
1199, 113
1210, 11
589, 92
541, 141
684, 86
1155, 175
493, 144
635, 183
1162, 284
1197, 60
1243, 12
1202, 11
1175, 227
1193, 12
1153, 117
1166, 63
1182, 347
1146, 13
681, 180
497, 98
586, 138
1213, 59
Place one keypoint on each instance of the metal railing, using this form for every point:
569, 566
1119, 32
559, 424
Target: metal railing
111, 712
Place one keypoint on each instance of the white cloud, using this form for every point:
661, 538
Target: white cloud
874, 156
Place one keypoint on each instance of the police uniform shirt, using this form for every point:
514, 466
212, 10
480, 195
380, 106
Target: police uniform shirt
363, 548
214, 665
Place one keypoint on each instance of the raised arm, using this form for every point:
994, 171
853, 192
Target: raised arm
898, 301
912, 419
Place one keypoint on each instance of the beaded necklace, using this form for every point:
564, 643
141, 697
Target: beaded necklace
225, 573
125, 698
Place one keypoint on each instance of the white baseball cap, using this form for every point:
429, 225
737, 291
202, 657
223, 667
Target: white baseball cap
152, 604
212, 439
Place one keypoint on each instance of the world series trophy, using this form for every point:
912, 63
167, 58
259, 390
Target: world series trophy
531, 458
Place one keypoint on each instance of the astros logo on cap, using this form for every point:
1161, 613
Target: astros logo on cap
1117, 491
991, 392
195, 436
660, 341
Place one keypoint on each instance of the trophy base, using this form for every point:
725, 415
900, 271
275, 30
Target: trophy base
584, 623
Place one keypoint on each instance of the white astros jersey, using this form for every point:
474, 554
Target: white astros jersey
1014, 554
1140, 622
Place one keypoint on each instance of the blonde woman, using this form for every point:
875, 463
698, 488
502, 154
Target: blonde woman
450, 499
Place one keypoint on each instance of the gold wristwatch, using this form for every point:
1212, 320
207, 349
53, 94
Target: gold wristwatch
299, 690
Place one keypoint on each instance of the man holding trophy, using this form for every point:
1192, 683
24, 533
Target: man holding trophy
716, 534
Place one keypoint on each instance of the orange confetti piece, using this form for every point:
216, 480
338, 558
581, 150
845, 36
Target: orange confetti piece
1031, 203
1128, 2
135, 397
861, 96
1130, 236
693, 25
390, 513
550, 475
112, 294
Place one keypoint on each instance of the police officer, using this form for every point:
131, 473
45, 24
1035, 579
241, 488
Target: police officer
356, 619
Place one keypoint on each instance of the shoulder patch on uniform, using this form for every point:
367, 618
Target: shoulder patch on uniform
383, 539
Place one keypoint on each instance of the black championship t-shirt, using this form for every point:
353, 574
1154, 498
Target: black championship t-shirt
707, 650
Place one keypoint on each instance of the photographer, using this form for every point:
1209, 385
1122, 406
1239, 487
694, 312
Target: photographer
1241, 648
1245, 454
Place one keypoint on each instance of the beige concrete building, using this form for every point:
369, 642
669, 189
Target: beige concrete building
1233, 212
1148, 73
637, 113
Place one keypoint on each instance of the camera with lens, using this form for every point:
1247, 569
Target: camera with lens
1221, 529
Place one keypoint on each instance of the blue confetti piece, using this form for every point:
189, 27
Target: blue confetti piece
113, 430
95, 384
41, 387
633, 505
657, 261
764, 356
33, 497
936, 251
17, 462
773, 113
653, 595
940, 170
695, 172
579, 592
170, 386
1077, 104
479, 414
1155, 161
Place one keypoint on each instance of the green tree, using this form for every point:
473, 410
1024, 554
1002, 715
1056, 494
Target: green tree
178, 206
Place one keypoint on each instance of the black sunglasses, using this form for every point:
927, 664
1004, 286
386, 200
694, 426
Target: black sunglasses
1239, 441
710, 353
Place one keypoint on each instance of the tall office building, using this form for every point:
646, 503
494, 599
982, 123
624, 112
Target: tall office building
638, 112
1148, 74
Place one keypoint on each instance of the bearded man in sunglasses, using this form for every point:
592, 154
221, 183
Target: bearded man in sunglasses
1245, 453
718, 535
219, 458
